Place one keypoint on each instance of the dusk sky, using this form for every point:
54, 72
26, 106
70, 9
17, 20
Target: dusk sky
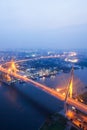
43, 24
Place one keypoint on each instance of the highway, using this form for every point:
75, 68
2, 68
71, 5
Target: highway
31, 59
78, 105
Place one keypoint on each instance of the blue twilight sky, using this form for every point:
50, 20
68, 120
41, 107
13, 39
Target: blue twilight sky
43, 23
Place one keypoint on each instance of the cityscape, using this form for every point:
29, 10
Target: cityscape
18, 69
43, 64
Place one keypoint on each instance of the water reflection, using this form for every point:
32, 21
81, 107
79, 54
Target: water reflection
32, 105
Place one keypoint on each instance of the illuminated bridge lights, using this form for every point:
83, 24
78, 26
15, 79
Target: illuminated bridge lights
58, 93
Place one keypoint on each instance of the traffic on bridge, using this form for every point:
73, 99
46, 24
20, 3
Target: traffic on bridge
67, 97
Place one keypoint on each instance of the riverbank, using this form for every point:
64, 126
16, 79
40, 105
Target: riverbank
54, 122
57, 122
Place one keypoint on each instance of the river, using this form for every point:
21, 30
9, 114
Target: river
24, 107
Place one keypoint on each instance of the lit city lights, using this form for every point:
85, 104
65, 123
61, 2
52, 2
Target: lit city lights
43, 65
10, 71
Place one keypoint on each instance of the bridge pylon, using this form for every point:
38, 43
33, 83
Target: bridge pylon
69, 92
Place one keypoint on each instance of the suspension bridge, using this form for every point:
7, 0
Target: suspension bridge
10, 70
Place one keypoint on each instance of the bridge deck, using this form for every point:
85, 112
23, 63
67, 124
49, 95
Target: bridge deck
78, 105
